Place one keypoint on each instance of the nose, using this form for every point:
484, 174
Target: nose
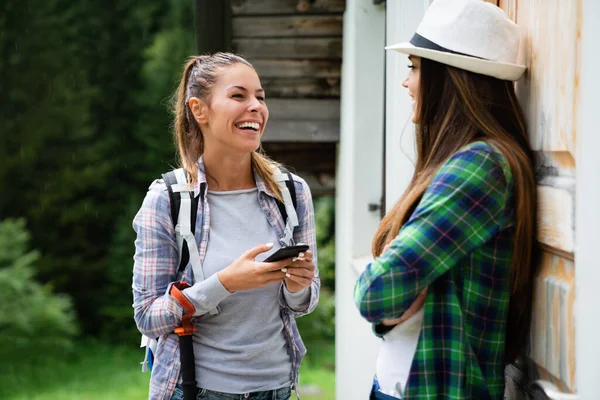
255, 105
405, 82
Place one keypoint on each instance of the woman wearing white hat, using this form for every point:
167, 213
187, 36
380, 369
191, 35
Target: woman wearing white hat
450, 288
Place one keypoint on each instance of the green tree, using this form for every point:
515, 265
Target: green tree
33, 319
163, 61
70, 73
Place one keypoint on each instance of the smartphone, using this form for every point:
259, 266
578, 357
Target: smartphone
287, 252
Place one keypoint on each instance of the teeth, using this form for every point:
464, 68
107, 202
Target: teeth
252, 125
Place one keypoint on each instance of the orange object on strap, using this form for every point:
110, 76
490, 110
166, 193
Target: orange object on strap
186, 328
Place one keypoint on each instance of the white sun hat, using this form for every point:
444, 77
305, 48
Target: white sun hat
468, 34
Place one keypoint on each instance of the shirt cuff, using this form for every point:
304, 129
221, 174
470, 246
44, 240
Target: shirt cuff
206, 295
297, 301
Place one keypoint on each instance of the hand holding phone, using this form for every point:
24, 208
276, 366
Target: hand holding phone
287, 252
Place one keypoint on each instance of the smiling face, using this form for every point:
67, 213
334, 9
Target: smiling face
411, 82
234, 116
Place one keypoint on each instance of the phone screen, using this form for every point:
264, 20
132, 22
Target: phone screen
287, 252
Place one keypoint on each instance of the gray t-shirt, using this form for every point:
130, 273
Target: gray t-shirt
242, 349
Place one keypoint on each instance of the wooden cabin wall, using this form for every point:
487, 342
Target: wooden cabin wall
296, 48
549, 95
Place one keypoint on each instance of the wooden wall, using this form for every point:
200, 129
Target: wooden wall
549, 95
296, 47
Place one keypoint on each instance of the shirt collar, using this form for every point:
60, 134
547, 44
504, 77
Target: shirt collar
260, 184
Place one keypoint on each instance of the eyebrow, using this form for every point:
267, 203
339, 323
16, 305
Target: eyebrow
245, 90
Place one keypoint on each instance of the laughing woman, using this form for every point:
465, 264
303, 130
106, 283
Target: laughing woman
450, 288
251, 348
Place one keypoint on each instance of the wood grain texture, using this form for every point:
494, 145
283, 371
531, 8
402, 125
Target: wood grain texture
266, 7
287, 26
304, 109
549, 93
553, 325
298, 68
289, 48
556, 216
302, 87
302, 131
550, 41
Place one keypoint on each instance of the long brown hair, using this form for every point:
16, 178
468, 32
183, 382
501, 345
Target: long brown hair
455, 108
199, 75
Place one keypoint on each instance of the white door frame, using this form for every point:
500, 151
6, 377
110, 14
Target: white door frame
587, 211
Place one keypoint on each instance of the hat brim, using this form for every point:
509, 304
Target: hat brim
500, 70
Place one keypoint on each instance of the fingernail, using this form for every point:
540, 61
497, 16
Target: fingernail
301, 255
294, 259
269, 245
283, 269
288, 275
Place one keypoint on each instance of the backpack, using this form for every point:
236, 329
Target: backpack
184, 209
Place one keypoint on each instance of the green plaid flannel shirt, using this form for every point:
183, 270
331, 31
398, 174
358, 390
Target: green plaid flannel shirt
458, 242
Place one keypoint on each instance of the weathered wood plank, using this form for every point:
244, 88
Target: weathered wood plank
553, 329
315, 162
302, 87
318, 158
297, 48
549, 91
287, 26
253, 7
304, 109
298, 68
302, 131
556, 213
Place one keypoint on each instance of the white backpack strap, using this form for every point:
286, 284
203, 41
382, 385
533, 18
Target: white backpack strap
292, 217
150, 345
183, 229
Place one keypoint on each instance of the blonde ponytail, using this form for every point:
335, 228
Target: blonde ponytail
264, 167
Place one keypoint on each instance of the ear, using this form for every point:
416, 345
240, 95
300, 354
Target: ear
199, 110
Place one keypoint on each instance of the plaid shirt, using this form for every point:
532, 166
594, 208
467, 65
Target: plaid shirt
155, 265
458, 242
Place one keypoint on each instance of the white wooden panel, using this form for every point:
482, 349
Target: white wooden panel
359, 183
553, 319
556, 215
403, 17
587, 272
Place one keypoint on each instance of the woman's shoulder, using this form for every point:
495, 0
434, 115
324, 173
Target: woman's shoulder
480, 159
157, 196
301, 186
482, 148
482, 152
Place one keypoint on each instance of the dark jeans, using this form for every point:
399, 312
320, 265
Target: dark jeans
205, 394
377, 395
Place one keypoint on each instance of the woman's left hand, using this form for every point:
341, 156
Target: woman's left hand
300, 273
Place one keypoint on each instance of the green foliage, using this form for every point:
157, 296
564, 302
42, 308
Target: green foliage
163, 60
70, 155
33, 320
325, 225
319, 325
101, 371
